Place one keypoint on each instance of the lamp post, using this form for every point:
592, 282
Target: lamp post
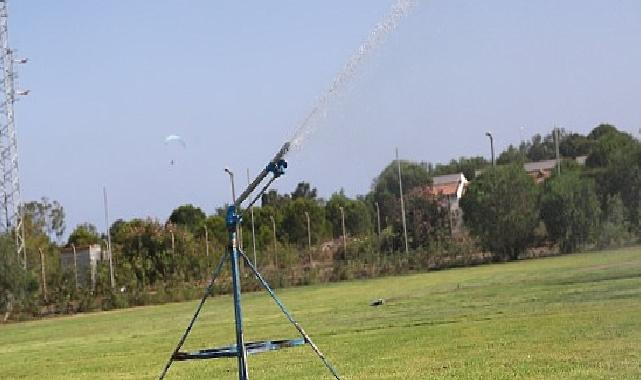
344, 233
489, 134
309, 236
400, 187
271, 217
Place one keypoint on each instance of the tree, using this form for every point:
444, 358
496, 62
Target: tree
358, 220
413, 175
385, 190
304, 190
570, 210
428, 220
16, 284
46, 217
575, 145
615, 162
511, 155
84, 234
466, 165
188, 216
500, 208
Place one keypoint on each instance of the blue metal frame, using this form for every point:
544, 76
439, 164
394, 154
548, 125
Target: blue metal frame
241, 349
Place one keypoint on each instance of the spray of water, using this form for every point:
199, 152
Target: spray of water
376, 37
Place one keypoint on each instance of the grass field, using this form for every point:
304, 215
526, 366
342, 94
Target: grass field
570, 317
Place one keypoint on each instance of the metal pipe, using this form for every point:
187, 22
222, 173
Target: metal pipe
240, 339
261, 176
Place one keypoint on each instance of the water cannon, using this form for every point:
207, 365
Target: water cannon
276, 166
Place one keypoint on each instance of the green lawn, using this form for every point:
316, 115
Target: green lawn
570, 317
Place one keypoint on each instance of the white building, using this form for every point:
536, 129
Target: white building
84, 262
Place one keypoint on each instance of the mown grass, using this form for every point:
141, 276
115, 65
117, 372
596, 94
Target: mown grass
570, 317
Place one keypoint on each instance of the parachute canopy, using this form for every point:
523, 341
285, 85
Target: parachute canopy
175, 139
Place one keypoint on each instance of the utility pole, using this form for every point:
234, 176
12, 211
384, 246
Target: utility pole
271, 217
557, 136
344, 232
400, 187
75, 265
251, 210
378, 218
173, 239
206, 241
43, 274
309, 236
112, 279
489, 134
10, 197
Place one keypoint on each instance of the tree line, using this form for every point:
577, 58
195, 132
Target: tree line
505, 213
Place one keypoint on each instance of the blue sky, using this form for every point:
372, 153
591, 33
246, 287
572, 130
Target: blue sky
110, 80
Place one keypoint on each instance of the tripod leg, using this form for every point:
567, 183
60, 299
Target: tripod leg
289, 316
208, 292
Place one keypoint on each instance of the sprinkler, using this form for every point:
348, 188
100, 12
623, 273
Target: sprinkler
241, 349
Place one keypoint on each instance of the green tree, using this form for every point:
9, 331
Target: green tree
188, 216
304, 190
500, 208
511, 155
16, 284
358, 220
294, 222
466, 165
575, 145
570, 210
84, 234
427, 221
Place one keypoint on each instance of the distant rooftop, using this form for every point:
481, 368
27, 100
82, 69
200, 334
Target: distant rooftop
539, 165
449, 178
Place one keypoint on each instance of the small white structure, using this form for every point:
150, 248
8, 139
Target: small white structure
83, 261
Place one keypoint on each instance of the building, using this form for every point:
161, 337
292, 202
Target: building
448, 189
83, 261
542, 170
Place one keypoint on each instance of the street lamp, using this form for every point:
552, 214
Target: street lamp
233, 189
344, 233
489, 134
309, 236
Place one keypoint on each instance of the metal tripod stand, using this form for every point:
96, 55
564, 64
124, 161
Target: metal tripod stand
241, 349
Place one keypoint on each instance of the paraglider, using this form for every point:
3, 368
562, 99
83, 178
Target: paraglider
174, 143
